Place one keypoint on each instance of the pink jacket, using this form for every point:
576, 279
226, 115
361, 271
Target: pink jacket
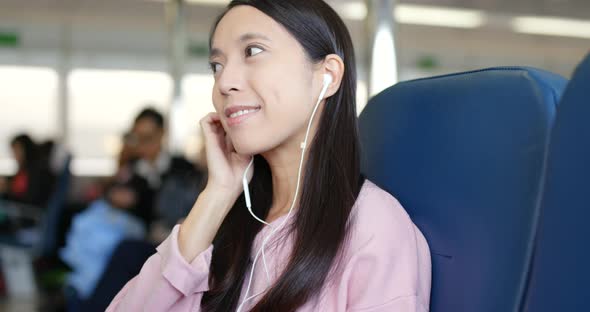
385, 267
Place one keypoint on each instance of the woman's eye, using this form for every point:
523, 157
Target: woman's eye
215, 67
251, 51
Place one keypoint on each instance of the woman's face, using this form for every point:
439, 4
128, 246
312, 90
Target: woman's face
257, 63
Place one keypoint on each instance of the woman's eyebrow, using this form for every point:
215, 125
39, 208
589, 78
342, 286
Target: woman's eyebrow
250, 36
214, 53
245, 37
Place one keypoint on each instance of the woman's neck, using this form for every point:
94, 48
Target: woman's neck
284, 167
284, 162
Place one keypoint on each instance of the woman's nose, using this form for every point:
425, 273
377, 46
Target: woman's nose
231, 79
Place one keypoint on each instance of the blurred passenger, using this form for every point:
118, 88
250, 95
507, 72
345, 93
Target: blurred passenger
152, 185
33, 183
146, 168
97, 230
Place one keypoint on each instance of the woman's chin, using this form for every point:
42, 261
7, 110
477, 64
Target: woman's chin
245, 148
252, 148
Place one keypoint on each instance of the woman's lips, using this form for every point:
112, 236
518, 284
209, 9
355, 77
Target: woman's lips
234, 121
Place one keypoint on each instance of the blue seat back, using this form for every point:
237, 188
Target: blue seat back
464, 154
560, 273
54, 212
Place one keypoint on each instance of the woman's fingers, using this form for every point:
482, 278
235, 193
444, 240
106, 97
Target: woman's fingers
214, 135
217, 128
211, 123
212, 127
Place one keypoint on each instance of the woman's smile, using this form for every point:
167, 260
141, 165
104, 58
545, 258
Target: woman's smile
238, 117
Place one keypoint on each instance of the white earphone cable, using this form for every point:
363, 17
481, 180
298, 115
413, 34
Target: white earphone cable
274, 229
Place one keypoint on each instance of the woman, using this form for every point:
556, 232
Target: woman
33, 182
349, 245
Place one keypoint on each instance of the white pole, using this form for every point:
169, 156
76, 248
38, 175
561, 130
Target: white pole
175, 16
382, 58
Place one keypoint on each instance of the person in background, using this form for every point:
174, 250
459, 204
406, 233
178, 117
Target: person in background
146, 167
150, 183
33, 183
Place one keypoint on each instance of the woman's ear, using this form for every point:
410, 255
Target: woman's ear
333, 66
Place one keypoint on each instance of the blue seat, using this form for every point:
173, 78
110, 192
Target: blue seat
49, 228
464, 154
560, 271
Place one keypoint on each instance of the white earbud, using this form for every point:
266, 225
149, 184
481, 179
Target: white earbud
327, 82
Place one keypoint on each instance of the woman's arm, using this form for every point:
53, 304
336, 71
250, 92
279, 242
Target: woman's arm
203, 221
166, 281
177, 275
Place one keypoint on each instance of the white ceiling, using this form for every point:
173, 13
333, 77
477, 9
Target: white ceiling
137, 27
565, 8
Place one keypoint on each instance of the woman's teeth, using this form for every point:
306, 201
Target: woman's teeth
242, 112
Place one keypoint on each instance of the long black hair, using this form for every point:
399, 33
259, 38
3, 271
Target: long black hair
331, 183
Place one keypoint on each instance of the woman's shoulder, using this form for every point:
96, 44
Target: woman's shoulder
387, 259
378, 215
378, 207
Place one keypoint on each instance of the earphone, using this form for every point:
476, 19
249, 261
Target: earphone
327, 82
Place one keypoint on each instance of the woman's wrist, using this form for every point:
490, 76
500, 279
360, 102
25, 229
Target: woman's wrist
201, 225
